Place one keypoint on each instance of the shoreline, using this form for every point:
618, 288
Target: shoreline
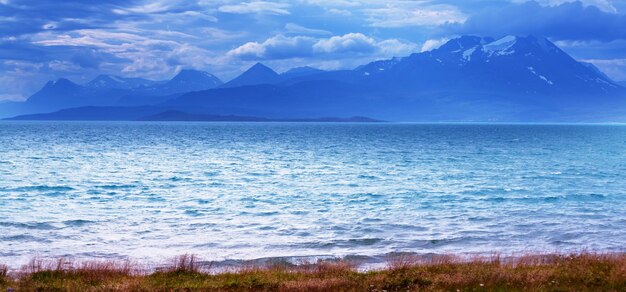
575, 271
361, 262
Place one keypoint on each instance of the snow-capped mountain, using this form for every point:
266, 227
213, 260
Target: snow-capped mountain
511, 65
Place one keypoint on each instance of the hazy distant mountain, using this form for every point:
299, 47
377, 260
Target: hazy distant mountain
257, 74
59, 89
176, 115
64, 93
190, 80
309, 99
10, 108
116, 82
467, 79
152, 113
94, 113
107, 90
184, 81
300, 72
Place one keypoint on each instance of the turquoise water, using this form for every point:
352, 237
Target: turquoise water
150, 191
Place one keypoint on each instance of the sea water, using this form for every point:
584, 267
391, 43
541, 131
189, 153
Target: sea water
149, 191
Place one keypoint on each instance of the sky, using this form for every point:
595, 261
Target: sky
43, 40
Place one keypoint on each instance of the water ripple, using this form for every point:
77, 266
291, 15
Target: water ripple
244, 191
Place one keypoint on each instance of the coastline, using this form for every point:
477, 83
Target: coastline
570, 272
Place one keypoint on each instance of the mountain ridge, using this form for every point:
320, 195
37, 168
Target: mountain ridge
109, 90
103, 81
470, 78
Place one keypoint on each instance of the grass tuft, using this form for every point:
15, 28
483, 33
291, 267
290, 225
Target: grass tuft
404, 272
187, 263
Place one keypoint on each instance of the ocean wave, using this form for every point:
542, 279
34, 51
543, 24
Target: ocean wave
29, 225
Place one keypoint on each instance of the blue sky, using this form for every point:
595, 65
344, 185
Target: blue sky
46, 39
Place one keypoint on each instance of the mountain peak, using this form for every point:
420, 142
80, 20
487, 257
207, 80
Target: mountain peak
60, 83
510, 43
193, 74
464, 43
260, 67
105, 81
55, 90
468, 46
192, 80
257, 74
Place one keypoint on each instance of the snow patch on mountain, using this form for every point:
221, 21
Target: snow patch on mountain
601, 81
532, 70
467, 55
501, 47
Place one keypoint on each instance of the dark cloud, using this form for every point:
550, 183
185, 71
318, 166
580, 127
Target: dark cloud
595, 49
567, 21
24, 17
91, 58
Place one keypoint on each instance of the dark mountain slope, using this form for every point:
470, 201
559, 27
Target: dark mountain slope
257, 74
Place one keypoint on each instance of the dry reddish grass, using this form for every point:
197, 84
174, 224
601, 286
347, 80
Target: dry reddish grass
577, 272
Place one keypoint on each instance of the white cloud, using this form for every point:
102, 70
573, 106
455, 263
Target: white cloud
614, 68
396, 48
415, 14
334, 3
352, 42
22, 67
248, 51
61, 65
11, 97
298, 29
340, 12
16, 82
221, 34
350, 45
145, 56
433, 44
115, 41
190, 15
256, 7
277, 47
604, 5
153, 7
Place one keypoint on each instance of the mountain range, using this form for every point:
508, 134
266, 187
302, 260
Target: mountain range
470, 78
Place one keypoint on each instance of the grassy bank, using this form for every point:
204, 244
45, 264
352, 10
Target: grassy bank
580, 272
